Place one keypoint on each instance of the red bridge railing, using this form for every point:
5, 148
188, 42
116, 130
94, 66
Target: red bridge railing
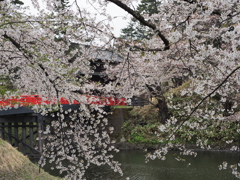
29, 100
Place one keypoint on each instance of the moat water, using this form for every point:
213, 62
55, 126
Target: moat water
203, 167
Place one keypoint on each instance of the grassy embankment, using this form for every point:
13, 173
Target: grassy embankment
14, 165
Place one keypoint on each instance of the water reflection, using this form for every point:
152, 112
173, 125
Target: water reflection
203, 167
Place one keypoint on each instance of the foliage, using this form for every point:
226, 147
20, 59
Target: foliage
142, 125
6, 86
136, 30
149, 7
140, 133
17, 2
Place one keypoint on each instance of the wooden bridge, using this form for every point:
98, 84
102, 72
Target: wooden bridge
21, 126
22, 134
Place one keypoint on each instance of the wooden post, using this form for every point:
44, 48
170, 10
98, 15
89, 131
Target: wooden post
2, 131
31, 136
16, 134
10, 133
40, 145
24, 138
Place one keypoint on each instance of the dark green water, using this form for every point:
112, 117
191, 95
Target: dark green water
203, 167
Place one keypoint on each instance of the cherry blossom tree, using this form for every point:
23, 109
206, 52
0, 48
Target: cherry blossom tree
196, 41
40, 56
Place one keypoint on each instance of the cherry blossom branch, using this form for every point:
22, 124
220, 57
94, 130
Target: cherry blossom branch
206, 97
28, 56
19, 22
141, 19
80, 12
17, 45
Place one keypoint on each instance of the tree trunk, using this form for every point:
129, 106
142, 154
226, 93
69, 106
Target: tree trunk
227, 107
163, 110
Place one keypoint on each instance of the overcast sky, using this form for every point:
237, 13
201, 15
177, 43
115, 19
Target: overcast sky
118, 23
